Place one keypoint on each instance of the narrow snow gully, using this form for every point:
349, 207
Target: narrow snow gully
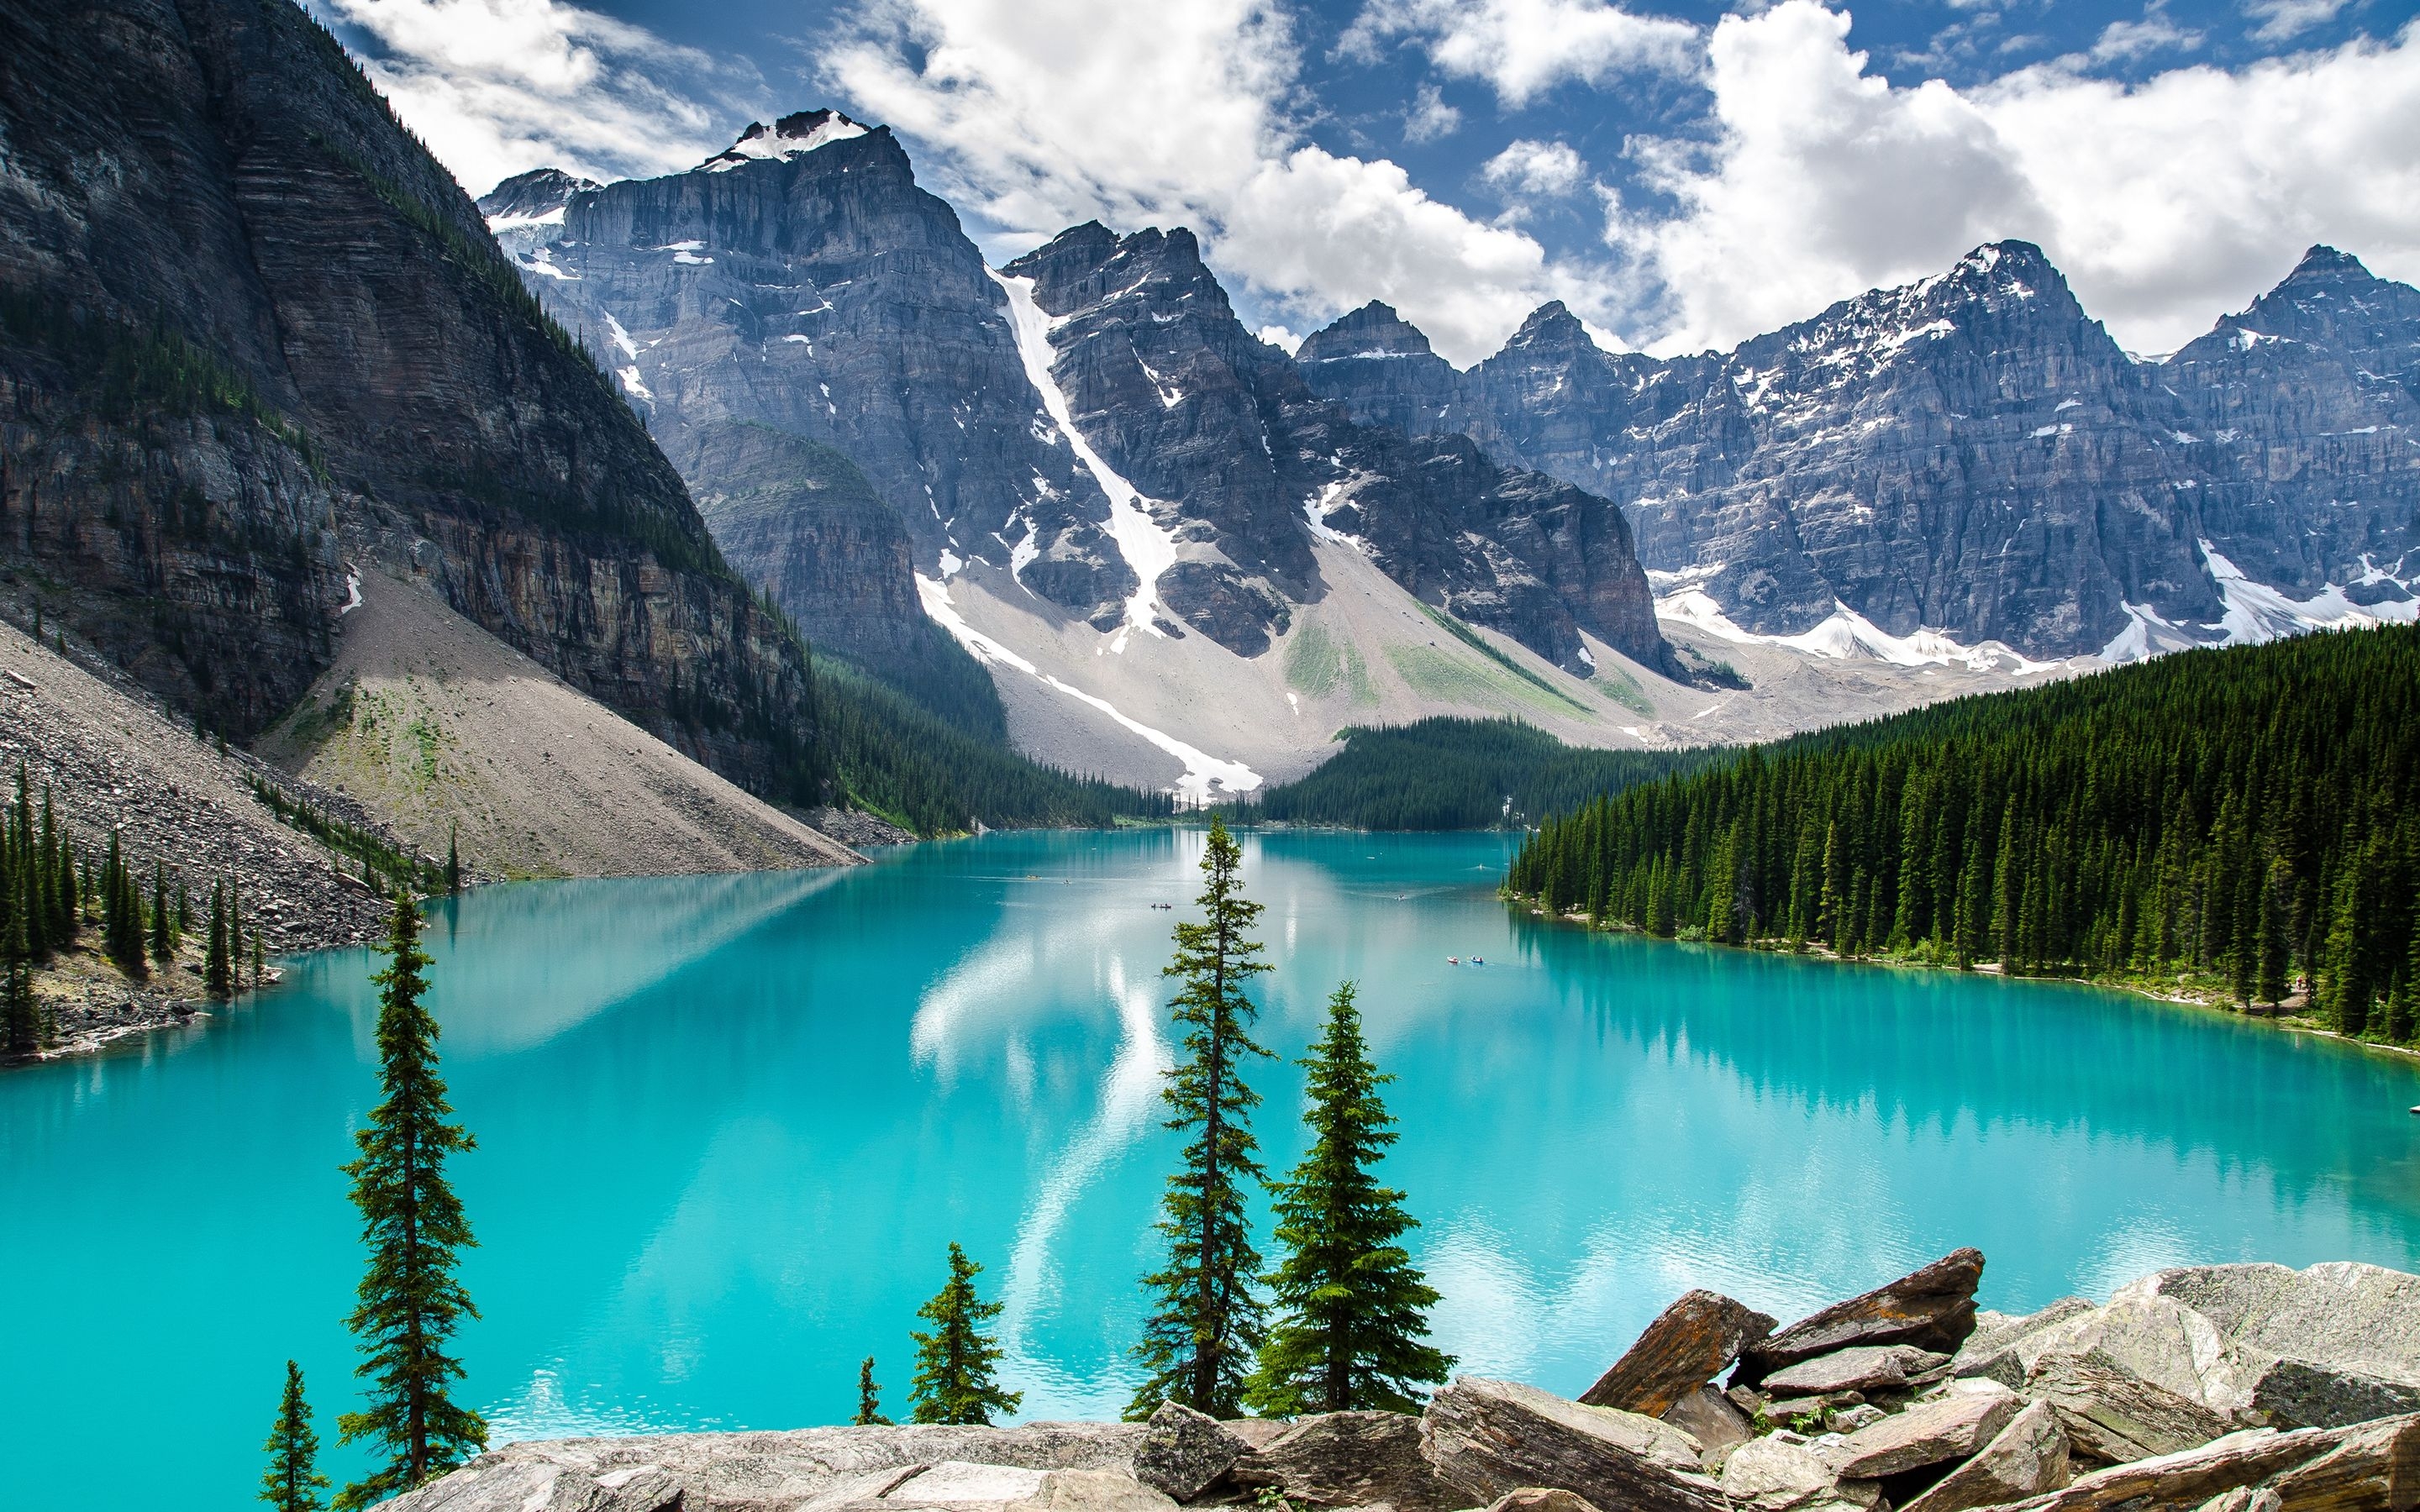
1148, 550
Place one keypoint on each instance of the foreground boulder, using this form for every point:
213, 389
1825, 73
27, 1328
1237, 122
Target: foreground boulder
1778, 1473
1184, 1453
1337, 1459
1487, 1438
1865, 1367
2112, 1415
2360, 1318
2187, 1480
1932, 1308
1689, 1344
2025, 1458
2375, 1465
1947, 1428
1708, 1417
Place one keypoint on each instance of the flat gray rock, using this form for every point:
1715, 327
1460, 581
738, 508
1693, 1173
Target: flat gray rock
2113, 1416
1540, 1499
2375, 1465
1779, 1473
1708, 1417
1487, 1438
2025, 1458
2362, 1318
1340, 1460
2187, 1480
2296, 1393
1865, 1368
1947, 1428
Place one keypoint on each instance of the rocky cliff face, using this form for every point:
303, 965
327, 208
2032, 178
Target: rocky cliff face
803, 282
1093, 419
252, 329
1970, 454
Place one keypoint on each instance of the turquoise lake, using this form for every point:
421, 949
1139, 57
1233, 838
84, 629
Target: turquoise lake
728, 1125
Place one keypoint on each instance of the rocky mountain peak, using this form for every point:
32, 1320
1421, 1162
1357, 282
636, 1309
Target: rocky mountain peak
2332, 300
1092, 268
1551, 327
1372, 330
792, 136
536, 197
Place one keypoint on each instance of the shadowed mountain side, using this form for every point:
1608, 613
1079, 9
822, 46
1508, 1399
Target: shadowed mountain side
449, 735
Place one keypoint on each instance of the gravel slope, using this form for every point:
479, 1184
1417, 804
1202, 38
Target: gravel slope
441, 730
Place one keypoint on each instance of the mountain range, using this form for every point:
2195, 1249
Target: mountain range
1176, 546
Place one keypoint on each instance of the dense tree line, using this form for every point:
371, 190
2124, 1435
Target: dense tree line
55, 899
1449, 773
2244, 813
900, 760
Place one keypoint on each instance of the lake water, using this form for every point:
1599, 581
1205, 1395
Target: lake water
728, 1125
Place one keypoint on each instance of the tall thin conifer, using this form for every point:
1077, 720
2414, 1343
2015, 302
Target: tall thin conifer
410, 1301
293, 1483
1207, 1322
954, 1380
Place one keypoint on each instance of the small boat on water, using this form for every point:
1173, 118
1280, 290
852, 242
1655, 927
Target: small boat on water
1479, 961
1454, 960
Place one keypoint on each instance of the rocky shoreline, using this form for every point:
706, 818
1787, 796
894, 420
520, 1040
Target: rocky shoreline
2224, 1388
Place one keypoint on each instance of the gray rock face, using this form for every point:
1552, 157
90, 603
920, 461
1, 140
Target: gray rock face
2360, 1318
1780, 1473
1341, 1459
1709, 1417
2026, 1457
1931, 1308
1949, 1428
2113, 1415
803, 282
1865, 1367
1242, 462
1184, 1452
215, 183
1536, 1499
2191, 1477
1971, 454
1689, 1344
1490, 1437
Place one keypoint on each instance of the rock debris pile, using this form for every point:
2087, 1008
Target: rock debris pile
2229, 1388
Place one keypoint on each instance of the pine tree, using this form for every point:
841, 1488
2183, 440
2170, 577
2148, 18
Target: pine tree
1351, 1306
2276, 926
218, 961
954, 1363
293, 1482
411, 1302
21, 1026
869, 1396
121, 913
1198, 1342
163, 944
454, 860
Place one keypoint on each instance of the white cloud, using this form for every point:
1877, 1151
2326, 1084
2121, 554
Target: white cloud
2165, 202
1549, 169
1524, 48
2122, 40
499, 86
1034, 118
1429, 117
2284, 20
1282, 338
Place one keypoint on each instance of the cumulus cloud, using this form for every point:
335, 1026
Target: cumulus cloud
1038, 117
2124, 41
2165, 202
1429, 117
1522, 47
2284, 20
1543, 169
499, 86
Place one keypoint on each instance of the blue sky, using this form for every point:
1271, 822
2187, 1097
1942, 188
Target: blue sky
1681, 175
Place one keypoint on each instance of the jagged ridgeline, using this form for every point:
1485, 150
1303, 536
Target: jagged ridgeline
253, 338
2246, 815
1447, 773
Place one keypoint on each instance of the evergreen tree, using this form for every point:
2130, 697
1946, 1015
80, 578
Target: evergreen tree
218, 961
869, 1396
2276, 926
293, 1482
20, 1029
410, 1301
121, 913
1198, 1342
454, 860
163, 944
954, 1363
1351, 1306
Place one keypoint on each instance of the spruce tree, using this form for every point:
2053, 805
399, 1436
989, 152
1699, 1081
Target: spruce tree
164, 924
869, 1396
1198, 1342
1351, 1306
218, 963
410, 1301
954, 1363
454, 860
21, 1026
293, 1482
2276, 926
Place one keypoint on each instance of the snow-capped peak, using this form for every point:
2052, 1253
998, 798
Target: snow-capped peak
789, 137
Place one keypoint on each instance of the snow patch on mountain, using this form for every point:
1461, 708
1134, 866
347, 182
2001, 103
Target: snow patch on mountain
2256, 613
1148, 550
789, 137
1845, 635
1207, 776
